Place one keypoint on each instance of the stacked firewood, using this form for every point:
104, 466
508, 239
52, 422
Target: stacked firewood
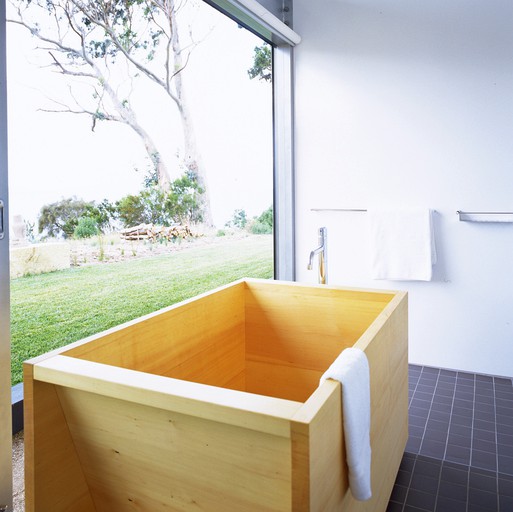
155, 233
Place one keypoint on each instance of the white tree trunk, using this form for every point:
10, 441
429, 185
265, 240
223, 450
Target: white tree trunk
128, 117
192, 157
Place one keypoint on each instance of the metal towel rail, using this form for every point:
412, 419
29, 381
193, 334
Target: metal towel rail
338, 210
485, 216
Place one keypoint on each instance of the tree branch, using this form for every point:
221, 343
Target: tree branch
66, 71
105, 25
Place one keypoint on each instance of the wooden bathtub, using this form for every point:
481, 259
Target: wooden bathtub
214, 404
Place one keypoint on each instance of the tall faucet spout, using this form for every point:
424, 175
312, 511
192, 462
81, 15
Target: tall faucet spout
323, 256
312, 256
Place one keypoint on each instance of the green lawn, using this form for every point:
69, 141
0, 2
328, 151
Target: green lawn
52, 310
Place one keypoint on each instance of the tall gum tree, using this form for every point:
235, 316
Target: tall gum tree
85, 39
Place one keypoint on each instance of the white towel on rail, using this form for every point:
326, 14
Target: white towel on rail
351, 369
402, 244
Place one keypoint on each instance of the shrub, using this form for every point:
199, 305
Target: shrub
183, 201
131, 211
239, 220
102, 213
61, 218
267, 217
154, 206
263, 225
260, 228
86, 228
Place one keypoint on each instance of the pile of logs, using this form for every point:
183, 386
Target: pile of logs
155, 233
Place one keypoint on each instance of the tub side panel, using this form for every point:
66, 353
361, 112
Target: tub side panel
319, 471
201, 340
388, 358
386, 347
137, 457
54, 480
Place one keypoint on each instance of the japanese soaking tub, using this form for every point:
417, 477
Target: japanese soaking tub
214, 404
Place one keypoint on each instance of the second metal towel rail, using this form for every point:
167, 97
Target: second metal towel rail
485, 216
337, 210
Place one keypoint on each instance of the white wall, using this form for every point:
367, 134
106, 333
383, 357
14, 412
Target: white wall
403, 103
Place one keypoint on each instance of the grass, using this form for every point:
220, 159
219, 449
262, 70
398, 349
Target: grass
51, 310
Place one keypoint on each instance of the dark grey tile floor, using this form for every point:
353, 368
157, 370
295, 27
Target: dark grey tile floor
459, 455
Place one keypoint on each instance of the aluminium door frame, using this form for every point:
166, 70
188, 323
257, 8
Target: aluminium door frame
5, 344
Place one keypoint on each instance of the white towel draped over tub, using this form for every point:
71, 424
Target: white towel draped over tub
402, 244
351, 369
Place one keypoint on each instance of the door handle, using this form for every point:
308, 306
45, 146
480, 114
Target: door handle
2, 232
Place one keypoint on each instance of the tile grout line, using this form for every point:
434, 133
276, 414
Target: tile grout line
413, 392
403, 505
422, 439
415, 460
446, 438
471, 439
429, 411
450, 419
446, 441
496, 447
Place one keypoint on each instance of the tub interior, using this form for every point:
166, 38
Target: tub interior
255, 337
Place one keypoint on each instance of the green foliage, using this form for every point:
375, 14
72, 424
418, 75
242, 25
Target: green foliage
122, 36
180, 204
152, 177
263, 225
61, 218
154, 206
262, 63
102, 213
183, 199
86, 228
258, 228
239, 220
130, 210
30, 234
155, 212
267, 217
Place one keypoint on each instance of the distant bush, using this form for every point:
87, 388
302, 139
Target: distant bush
239, 220
263, 225
104, 214
259, 228
267, 217
86, 228
131, 211
180, 204
61, 218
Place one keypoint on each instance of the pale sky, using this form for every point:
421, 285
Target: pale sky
54, 156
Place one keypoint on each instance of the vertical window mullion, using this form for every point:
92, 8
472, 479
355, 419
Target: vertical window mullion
284, 186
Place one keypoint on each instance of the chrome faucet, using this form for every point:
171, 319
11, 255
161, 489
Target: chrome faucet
323, 256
